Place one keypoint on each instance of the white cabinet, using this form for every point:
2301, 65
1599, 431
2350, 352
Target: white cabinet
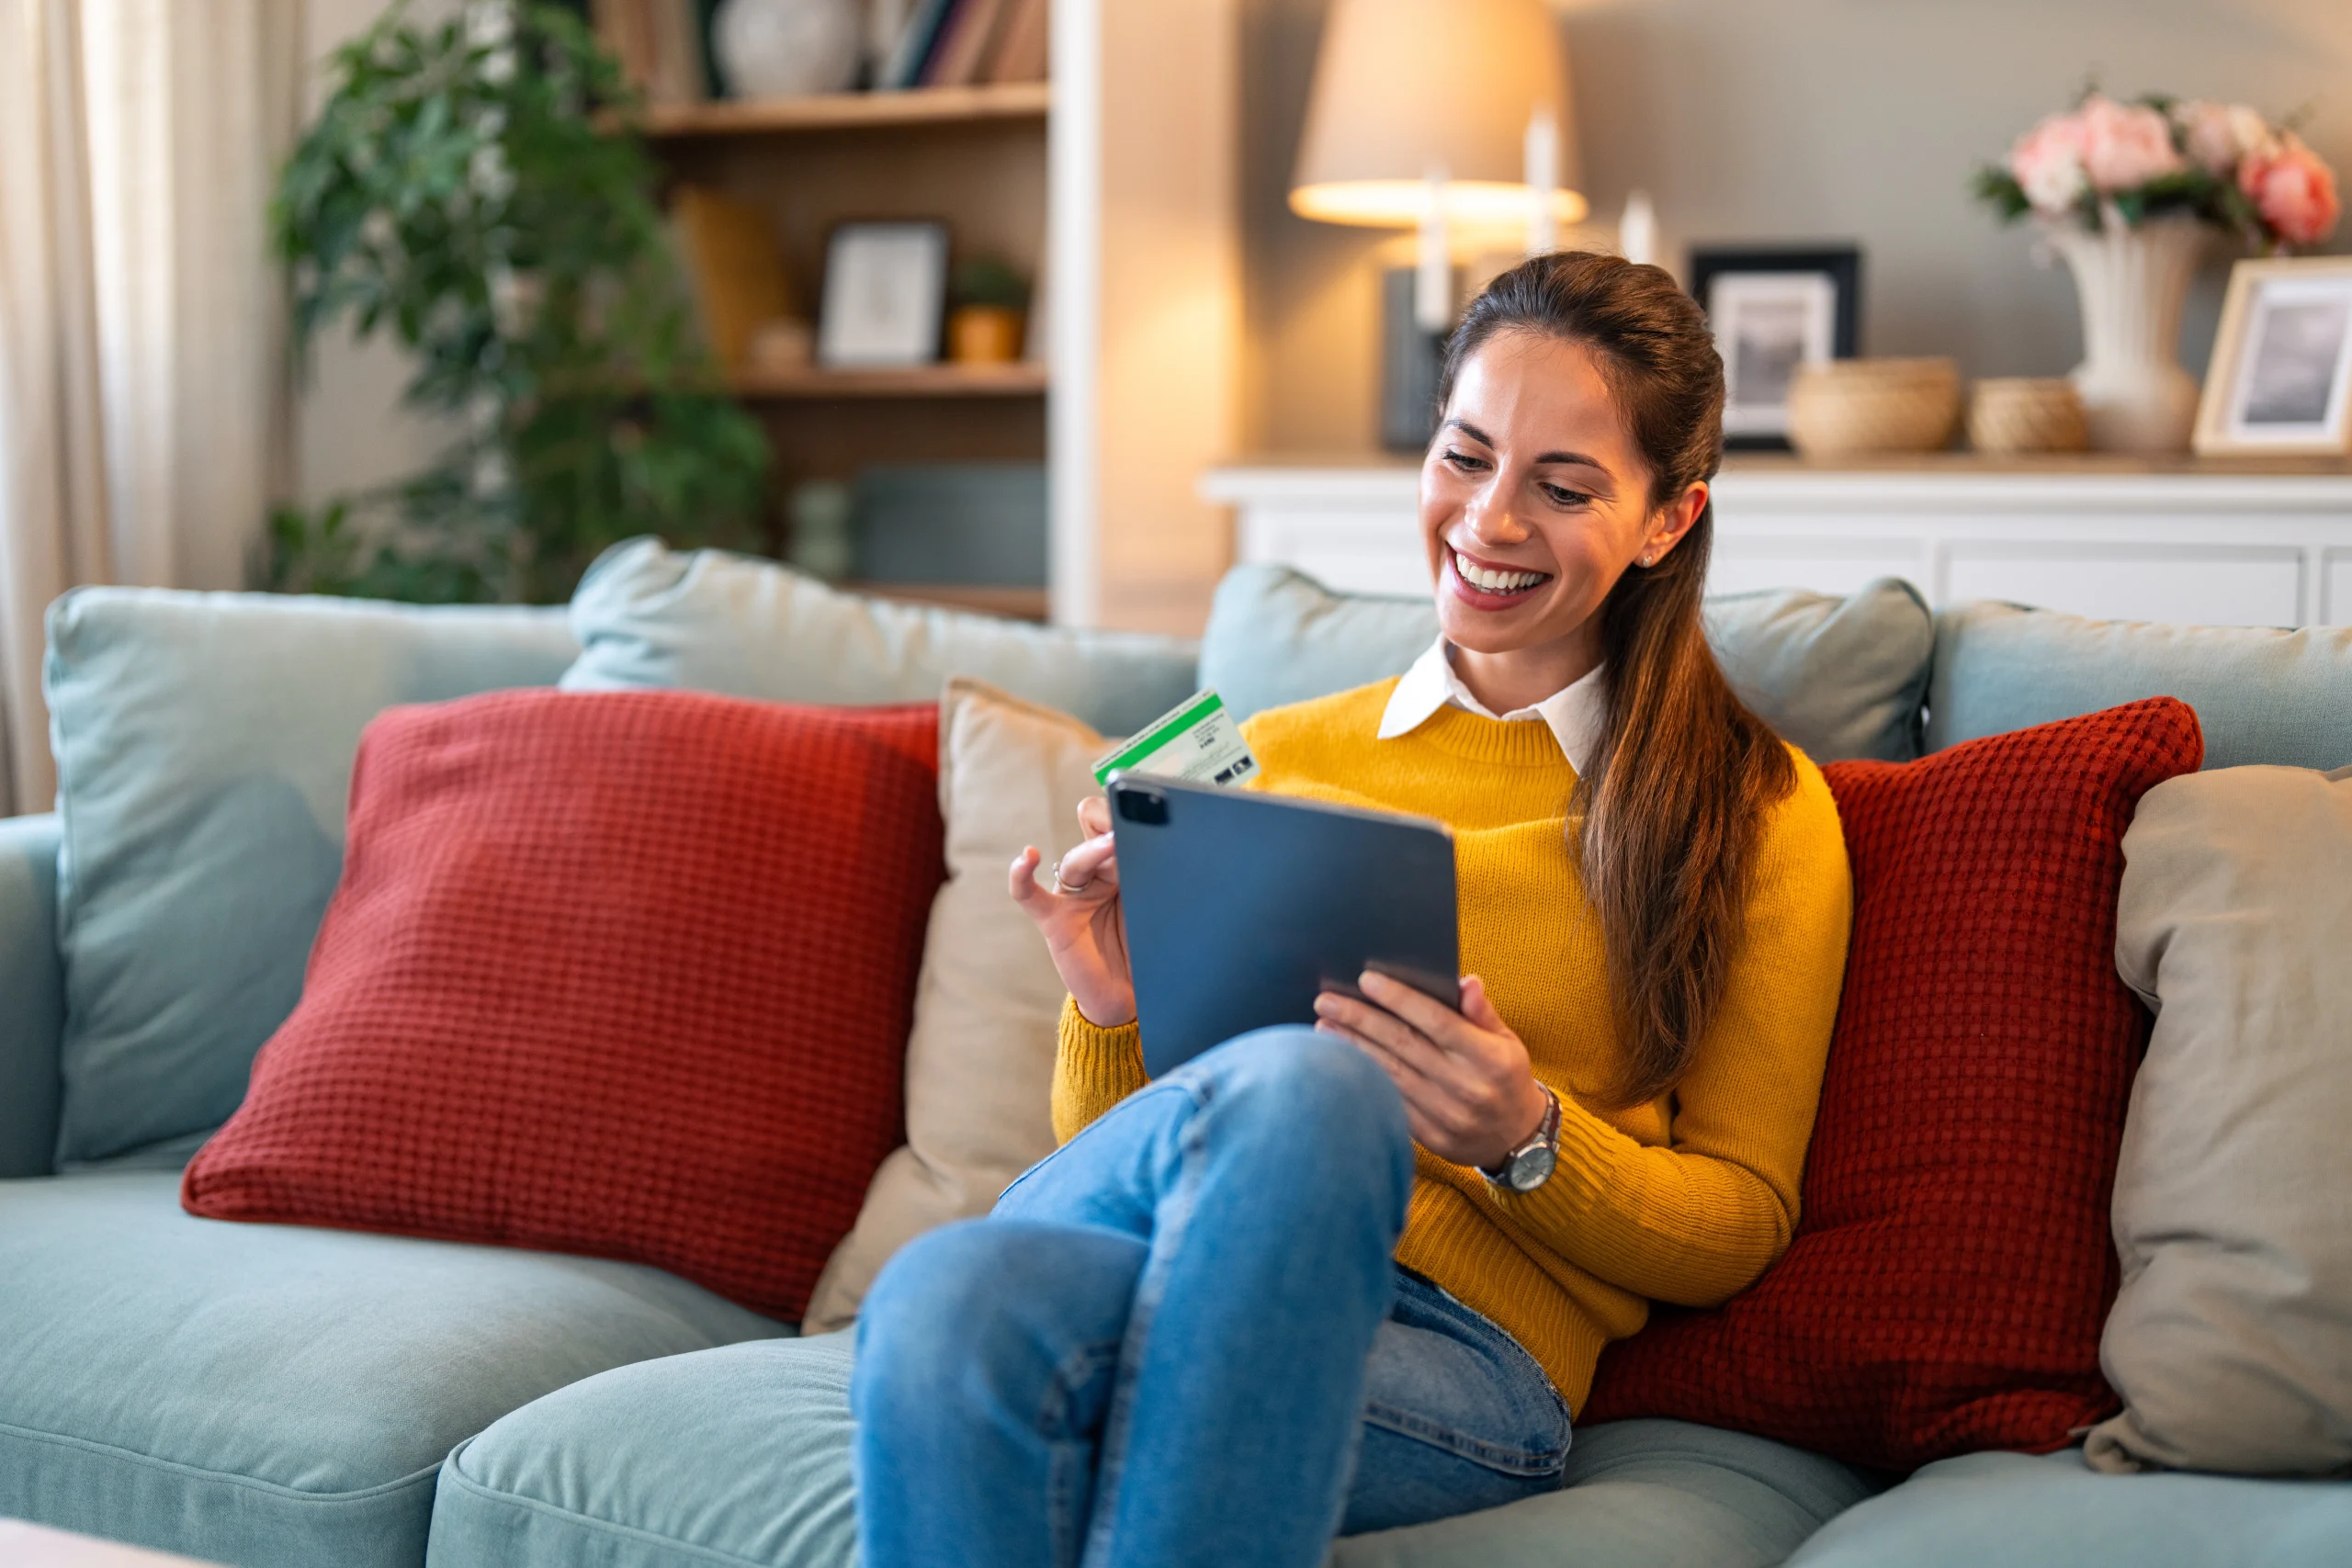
2211, 586
2193, 544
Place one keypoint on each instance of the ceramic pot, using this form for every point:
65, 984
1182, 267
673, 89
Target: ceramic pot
781, 48
2131, 282
984, 334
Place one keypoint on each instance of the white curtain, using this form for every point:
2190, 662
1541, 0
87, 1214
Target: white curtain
143, 381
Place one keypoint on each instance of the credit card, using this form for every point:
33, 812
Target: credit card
1197, 740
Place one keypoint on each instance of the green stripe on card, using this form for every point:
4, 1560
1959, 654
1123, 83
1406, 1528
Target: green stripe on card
1160, 734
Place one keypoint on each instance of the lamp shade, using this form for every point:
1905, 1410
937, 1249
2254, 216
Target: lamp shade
1410, 90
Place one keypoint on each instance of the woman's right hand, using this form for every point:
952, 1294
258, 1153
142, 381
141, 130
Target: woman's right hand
1080, 922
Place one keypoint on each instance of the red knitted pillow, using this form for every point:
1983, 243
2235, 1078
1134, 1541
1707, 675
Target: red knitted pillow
621, 973
1952, 1269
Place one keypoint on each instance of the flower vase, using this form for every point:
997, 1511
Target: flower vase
2131, 282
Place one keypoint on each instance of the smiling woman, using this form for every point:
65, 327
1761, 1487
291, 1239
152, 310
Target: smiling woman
1582, 421
1356, 1277
1506, 516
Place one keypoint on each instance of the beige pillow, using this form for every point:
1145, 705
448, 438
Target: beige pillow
2232, 1341
980, 1057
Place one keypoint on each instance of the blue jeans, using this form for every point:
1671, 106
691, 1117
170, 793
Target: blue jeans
1181, 1340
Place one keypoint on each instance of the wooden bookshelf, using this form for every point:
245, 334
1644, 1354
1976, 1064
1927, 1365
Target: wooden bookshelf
974, 158
1146, 106
849, 111
1025, 379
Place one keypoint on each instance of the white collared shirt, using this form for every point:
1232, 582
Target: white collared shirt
1576, 713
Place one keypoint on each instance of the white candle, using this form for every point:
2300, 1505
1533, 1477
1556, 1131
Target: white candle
1637, 229
1542, 157
1433, 279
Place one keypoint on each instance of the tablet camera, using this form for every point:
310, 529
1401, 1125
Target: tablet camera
1145, 806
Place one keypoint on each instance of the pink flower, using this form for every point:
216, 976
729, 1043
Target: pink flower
2047, 163
2293, 191
2219, 134
2125, 145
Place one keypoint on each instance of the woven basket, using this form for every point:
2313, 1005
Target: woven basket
2027, 414
1843, 408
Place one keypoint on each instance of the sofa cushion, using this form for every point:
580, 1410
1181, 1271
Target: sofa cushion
742, 1456
738, 1455
2019, 1511
2231, 1339
980, 1056
2283, 697
649, 617
1838, 677
1951, 1267
626, 973
1640, 1495
204, 746
278, 1397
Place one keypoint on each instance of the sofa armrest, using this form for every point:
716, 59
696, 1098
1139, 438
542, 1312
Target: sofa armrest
32, 994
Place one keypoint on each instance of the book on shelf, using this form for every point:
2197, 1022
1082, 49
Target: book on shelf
1022, 52
734, 268
624, 28
967, 44
662, 45
926, 19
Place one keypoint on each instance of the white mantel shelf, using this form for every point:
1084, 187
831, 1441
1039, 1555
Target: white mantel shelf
2217, 543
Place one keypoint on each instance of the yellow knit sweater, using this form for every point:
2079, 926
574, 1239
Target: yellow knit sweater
1687, 1199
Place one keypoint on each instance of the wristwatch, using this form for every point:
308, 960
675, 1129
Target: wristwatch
1529, 1167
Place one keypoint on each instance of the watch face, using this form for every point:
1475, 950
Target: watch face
1532, 1169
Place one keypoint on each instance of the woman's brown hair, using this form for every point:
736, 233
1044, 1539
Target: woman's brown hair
1673, 799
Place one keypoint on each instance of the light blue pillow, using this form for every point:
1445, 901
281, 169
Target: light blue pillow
2280, 697
650, 616
204, 745
1277, 636
1838, 677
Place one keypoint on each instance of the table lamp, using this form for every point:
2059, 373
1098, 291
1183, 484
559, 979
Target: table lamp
1446, 116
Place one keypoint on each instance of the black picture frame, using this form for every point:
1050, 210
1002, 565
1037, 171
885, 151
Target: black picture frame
1750, 423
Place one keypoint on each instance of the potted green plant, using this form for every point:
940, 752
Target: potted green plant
986, 300
476, 190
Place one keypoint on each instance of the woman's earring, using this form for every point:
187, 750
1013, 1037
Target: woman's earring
1650, 560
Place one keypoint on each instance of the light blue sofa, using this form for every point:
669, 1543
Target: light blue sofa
278, 1396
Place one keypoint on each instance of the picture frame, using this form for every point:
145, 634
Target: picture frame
884, 296
1775, 308
2280, 382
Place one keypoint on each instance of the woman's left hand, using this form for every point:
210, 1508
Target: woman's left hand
1470, 1092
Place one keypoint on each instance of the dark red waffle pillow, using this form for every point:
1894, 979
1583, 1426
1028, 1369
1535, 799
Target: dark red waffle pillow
621, 973
1952, 1269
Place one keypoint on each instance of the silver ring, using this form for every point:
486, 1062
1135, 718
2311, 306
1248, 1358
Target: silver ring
1065, 888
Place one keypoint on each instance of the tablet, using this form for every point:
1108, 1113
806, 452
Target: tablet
1241, 905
